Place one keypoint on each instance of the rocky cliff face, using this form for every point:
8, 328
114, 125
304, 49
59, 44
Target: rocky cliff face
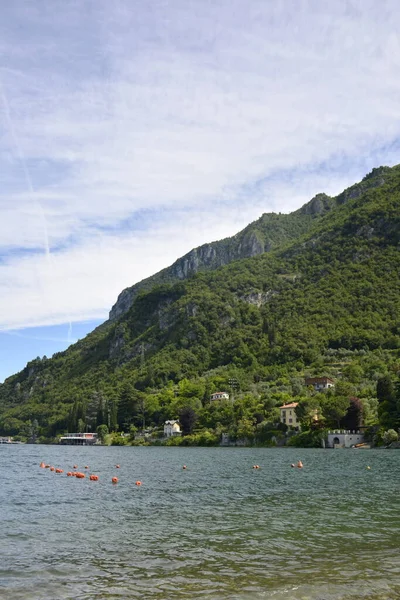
318, 205
268, 232
204, 258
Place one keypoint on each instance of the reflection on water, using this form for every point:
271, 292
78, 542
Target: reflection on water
217, 530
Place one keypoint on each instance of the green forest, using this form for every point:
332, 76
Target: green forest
324, 300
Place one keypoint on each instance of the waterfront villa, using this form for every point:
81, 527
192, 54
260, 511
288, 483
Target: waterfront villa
219, 396
320, 383
288, 415
172, 428
342, 438
78, 439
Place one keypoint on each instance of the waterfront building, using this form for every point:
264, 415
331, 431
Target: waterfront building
78, 439
344, 438
172, 428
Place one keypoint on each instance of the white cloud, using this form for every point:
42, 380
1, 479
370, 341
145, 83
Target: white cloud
211, 113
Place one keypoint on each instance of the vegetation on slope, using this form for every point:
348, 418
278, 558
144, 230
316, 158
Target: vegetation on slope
271, 231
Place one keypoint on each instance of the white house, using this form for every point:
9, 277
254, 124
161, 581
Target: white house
320, 383
172, 428
220, 396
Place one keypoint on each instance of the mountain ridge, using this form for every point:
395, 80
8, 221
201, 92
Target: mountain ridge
268, 232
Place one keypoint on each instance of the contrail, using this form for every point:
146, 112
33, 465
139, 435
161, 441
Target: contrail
70, 332
25, 169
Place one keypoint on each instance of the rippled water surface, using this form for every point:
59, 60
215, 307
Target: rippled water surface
217, 530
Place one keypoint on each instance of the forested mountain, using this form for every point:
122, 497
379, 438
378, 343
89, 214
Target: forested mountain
269, 232
324, 299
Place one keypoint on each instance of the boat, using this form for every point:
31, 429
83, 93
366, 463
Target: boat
361, 446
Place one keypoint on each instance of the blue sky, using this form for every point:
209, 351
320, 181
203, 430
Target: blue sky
134, 131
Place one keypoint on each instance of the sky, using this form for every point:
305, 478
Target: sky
131, 132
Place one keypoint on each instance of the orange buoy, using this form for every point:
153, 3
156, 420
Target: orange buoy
69, 474
42, 465
80, 475
114, 479
184, 467
138, 483
299, 465
52, 469
117, 466
94, 477
59, 470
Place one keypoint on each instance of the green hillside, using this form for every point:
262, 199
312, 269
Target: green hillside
271, 231
323, 301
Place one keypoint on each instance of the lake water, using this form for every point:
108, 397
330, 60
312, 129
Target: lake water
217, 530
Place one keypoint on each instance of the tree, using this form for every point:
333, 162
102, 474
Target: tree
101, 416
308, 410
112, 415
92, 410
102, 431
335, 408
188, 418
353, 372
354, 416
127, 406
390, 436
385, 389
389, 403
132, 433
33, 431
245, 429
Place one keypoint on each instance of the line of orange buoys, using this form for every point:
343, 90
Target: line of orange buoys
75, 473
93, 477
114, 480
